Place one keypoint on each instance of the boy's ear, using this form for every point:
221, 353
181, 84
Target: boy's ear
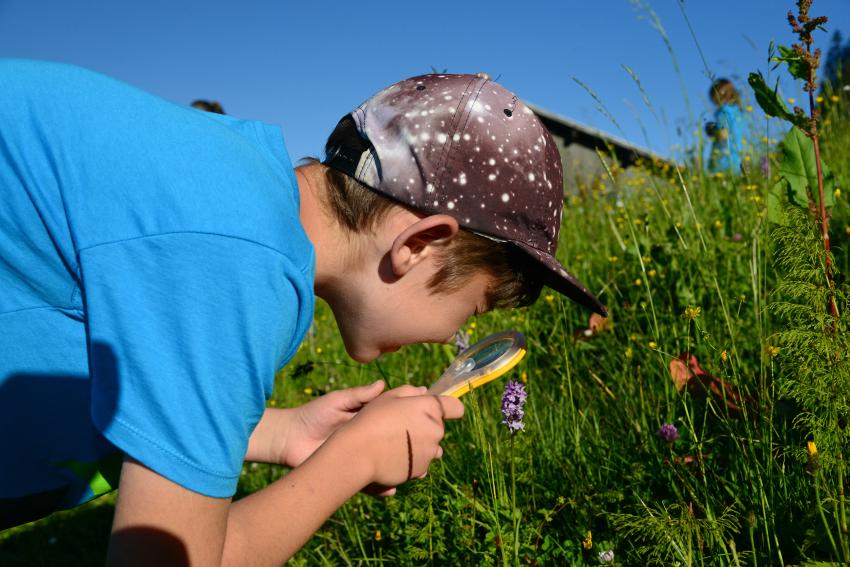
416, 242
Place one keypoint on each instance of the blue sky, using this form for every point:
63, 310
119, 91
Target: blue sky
304, 64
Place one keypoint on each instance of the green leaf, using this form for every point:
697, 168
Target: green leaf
768, 99
777, 199
797, 66
797, 166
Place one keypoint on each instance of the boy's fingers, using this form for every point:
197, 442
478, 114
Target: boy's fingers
406, 391
355, 398
379, 490
452, 408
365, 394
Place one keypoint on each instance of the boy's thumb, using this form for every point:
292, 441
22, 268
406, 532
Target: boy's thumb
370, 392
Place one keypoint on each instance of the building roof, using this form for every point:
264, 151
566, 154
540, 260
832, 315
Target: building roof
572, 132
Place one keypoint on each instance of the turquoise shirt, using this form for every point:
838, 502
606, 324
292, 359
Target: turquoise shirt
726, 153
154, 276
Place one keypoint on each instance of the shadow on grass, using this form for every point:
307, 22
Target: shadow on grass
77, 537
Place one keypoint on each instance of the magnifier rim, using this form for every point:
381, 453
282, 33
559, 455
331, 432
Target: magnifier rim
516, 338
486, 373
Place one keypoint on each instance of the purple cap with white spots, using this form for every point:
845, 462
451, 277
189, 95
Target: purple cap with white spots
462, 145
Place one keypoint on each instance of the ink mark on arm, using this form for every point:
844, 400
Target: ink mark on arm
409, 455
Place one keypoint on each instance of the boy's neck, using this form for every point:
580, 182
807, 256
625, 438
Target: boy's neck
331, 245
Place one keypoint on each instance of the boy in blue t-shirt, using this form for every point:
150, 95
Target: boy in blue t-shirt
727, 130
159, 264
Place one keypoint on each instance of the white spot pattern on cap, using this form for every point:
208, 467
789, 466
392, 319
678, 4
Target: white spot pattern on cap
427, 130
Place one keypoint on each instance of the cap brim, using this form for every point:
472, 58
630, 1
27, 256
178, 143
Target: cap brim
559, 279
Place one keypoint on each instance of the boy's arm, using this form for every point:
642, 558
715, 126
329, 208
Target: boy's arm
158, 522
391, 440
287, 436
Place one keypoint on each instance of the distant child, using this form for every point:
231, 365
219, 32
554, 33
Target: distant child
208, 106
727, 130
159, 264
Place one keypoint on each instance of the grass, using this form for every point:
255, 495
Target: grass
685, 262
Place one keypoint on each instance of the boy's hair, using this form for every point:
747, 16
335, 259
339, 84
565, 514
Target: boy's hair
357, 208
722, 91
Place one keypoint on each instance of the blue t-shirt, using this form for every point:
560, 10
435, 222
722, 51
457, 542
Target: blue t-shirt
726, 153
154, 276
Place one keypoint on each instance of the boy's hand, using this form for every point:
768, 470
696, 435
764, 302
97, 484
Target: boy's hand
316, 420
397, 435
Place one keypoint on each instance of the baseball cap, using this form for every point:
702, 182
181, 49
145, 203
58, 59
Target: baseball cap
463, 145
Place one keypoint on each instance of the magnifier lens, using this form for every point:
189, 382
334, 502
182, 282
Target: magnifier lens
491, 353
481, 363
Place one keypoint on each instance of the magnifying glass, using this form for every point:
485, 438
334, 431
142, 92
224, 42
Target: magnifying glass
483, 362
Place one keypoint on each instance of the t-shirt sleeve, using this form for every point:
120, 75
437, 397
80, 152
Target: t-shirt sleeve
185, 334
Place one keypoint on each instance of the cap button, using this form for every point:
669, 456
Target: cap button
485, 76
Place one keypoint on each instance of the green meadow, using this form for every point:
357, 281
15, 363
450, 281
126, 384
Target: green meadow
720, 326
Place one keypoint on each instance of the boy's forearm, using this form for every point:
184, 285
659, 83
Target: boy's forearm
267, 442
269, 526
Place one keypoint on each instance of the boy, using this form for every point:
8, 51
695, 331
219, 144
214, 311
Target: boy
159, 264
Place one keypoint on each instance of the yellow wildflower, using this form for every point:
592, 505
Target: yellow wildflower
638, 281
613, 259
812, 448
646, 259
718, 224
318, 350
472, 325
638, 222
834, 98
691, 312
772, 351
378, 535
653, 345
524, 377
550, 298
587, 542
724, 356
628, 352
837, 193
308, 391
819, 99
651, 273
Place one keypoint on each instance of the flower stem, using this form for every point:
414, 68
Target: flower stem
824, 220
842, 514
819, 504
514, 511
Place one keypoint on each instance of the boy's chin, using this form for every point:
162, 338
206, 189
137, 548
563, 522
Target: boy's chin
361, 353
